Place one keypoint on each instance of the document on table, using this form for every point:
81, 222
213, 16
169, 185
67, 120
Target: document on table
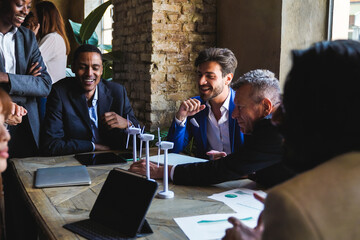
174, 159
241, 200
211, 226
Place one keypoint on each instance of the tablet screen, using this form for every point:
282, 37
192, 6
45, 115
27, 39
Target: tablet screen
90, 159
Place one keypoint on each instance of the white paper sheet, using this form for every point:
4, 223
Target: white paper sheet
211, 226
241, 200
174, 159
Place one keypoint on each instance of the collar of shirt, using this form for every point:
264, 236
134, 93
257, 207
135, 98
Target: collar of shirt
95, 98
224, 109
12, 31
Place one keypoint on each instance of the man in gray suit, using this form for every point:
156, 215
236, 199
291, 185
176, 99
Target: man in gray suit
22, 74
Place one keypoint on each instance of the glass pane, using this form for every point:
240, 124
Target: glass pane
107, 36
354, 20
108, 18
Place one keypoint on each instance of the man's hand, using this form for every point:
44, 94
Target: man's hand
4, 78
139, 167
215, 155
189, 108
99, 147
241, 232
16, 114
113, 120
34, 70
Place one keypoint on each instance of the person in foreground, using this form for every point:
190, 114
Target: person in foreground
257, 97
215, 133
5, 111
322, 141
85, 113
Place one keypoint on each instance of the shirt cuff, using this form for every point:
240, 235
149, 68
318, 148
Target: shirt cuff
180, 123
93, 144
172, 173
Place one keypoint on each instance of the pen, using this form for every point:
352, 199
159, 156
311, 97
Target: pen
194, 122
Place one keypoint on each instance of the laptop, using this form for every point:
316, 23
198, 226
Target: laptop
62, 176
120, 208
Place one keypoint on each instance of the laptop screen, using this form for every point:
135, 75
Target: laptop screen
123, 201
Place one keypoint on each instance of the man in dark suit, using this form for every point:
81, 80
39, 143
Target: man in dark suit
215, 133
85, 113
257, 97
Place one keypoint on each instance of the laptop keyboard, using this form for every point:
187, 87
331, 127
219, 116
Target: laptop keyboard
94, 231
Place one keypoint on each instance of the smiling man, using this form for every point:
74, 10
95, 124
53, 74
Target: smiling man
207, 118
257, 97
84, 113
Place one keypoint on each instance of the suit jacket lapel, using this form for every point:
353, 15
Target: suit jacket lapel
104, 101
78, 100
21, 66
202, 120
232, 121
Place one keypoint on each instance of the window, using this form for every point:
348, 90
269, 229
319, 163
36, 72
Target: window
104, 29
106, 26
344, 19
354, 20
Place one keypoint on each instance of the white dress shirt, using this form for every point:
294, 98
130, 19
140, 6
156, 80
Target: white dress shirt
217, 132
7, 50
94, 119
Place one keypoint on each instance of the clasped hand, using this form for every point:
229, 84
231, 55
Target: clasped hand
189, 108
16, 114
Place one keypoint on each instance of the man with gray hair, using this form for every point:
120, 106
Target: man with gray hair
257, 97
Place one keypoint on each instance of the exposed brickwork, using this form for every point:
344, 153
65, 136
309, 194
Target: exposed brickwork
160, 40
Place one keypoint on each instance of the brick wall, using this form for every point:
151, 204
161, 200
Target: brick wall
160, 40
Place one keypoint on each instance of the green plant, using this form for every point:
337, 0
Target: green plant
84, 33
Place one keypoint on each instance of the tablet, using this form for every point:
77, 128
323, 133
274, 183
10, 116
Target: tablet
90, 159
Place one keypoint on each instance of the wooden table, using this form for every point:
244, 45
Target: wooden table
54, 207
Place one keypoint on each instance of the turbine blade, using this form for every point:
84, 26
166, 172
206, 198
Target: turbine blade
158, 162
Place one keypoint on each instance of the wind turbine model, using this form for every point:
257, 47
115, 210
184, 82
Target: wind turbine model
164, 145
146, 137
132, 131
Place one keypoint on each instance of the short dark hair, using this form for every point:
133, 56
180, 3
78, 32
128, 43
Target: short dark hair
223, 56
263, 83
320, 98
85, 48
